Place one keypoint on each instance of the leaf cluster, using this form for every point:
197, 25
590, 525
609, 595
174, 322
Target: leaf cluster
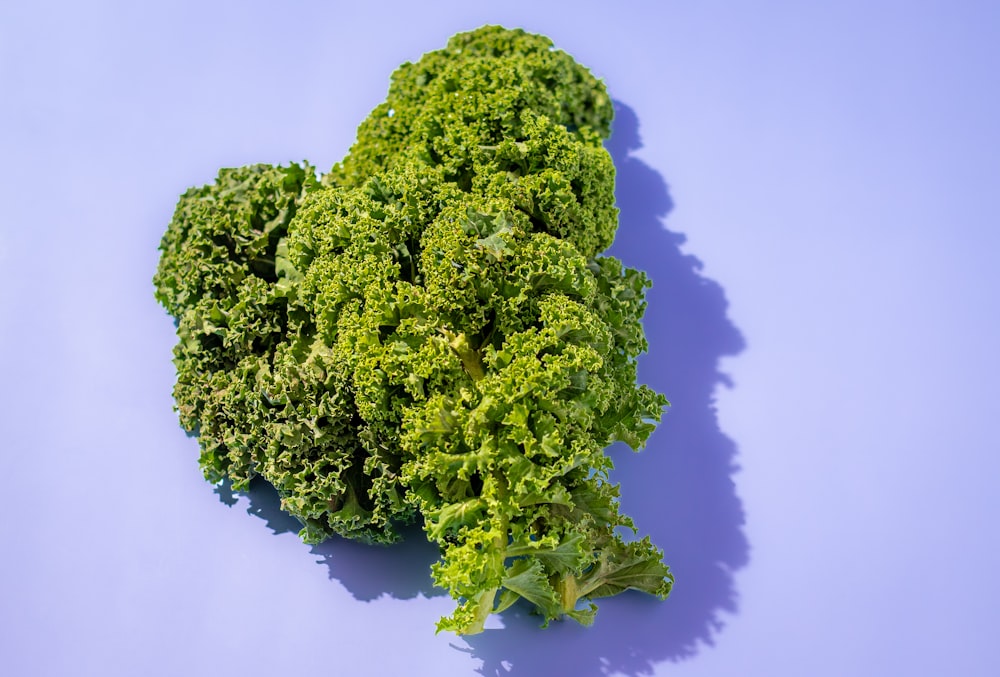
428, 331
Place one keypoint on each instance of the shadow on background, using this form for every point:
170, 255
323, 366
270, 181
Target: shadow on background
401, 570
680, 489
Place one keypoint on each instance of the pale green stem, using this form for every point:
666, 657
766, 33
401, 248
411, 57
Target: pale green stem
471, 360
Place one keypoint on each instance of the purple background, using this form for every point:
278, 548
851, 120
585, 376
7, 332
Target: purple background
814, 193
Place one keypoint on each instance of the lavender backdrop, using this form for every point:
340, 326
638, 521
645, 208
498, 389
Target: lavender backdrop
811, 189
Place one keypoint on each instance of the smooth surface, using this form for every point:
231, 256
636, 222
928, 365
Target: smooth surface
813, 191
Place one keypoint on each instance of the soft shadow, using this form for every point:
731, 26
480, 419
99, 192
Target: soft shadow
400, 570
680, 489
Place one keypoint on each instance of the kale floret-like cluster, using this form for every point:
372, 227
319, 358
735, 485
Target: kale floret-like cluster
428, 331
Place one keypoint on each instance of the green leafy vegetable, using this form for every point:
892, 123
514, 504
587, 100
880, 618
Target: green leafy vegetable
430, 332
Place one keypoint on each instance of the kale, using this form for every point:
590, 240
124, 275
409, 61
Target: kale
430, 332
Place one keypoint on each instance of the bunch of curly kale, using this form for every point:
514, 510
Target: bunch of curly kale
428, 331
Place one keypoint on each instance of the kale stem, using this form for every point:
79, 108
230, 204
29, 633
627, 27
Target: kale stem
472, 362
568, 592
484, 607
